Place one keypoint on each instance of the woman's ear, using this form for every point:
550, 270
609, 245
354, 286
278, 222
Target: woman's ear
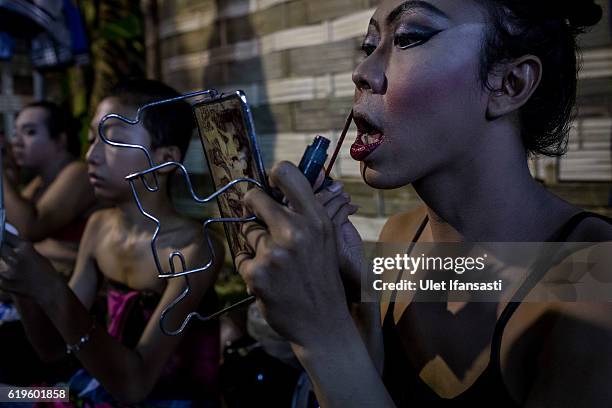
165, 154
513, 84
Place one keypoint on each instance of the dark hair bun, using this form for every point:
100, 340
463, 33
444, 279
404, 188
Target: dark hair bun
582, 13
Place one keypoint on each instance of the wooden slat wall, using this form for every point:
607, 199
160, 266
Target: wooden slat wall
294, 60
589, 152
589, 157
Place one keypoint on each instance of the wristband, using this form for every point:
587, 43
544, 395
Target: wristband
73, 348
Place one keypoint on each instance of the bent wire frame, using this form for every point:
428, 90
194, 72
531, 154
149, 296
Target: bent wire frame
152, 170
212, 93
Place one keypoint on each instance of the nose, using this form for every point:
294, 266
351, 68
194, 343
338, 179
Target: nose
16, 140
94, 153
370, 75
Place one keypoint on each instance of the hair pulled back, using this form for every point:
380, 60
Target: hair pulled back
547, 29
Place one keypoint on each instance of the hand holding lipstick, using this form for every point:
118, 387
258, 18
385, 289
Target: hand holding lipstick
295, 271
350, 250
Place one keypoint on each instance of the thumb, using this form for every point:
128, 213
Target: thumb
320, 180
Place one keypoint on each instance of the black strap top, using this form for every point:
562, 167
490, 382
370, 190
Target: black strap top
402, 379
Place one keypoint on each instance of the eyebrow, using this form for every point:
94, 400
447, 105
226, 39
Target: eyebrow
107, 126
411, 5
111, 124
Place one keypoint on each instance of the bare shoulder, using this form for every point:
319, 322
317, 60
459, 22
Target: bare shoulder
76, 166
98, 221
100, 216
401, 227
75, 170
95, 232
74, 178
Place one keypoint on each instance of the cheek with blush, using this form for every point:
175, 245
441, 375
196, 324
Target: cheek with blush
434, 93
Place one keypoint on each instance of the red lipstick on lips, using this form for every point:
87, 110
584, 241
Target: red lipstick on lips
369, 137
361, 150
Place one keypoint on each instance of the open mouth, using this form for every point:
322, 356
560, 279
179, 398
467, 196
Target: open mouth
369, 137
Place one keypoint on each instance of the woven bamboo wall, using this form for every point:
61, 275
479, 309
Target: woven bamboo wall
294, 60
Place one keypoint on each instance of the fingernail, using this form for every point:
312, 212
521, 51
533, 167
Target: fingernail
335, 187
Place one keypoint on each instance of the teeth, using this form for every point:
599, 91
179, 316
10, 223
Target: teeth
371, 138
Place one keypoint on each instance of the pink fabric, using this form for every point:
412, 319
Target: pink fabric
196, 359
192, 369
119, 306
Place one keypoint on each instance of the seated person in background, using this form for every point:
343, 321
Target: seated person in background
52, 209
132, 360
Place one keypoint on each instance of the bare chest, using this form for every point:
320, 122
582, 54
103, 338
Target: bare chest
128, 260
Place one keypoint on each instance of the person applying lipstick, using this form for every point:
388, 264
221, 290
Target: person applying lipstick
452, 97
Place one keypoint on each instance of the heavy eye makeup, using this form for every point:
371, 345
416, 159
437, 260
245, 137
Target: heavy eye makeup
370, 42
368, 47
413, 36
404, 37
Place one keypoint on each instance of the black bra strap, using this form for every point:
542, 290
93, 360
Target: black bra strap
416, 237
538, 271
569, 227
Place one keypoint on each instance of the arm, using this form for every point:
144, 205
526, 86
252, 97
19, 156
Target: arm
43, 336
295, 275
68, 196
367, 320
353, 268
128, 374
41, 331
342, 371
